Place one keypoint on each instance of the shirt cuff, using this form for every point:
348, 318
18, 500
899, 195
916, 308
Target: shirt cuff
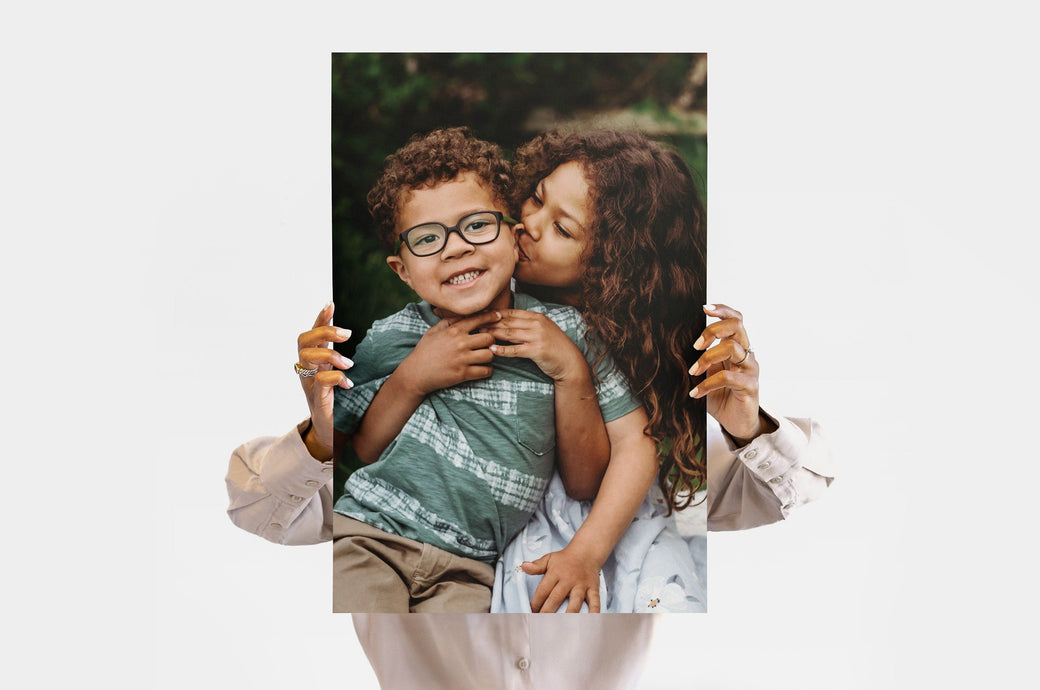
297, 476
774, 459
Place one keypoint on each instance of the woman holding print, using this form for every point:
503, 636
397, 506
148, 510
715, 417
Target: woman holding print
611, 223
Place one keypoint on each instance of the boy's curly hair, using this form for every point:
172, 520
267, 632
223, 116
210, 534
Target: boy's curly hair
644, 281
430, 159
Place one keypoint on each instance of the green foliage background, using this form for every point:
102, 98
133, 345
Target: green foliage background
379, 100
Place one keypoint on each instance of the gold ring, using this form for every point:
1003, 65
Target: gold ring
304, 373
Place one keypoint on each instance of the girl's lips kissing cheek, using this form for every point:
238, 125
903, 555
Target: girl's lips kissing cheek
464, 278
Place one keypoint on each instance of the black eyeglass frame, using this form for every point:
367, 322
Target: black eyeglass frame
457, 228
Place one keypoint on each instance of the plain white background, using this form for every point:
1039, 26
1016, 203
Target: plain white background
166, 233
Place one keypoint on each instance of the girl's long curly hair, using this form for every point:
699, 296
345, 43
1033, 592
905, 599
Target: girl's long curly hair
644, 280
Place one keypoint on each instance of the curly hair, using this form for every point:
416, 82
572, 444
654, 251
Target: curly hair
426, 160
644, 280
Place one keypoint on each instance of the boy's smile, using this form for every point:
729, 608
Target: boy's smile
463, 278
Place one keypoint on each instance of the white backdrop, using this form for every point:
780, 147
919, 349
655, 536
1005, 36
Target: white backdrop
167, 228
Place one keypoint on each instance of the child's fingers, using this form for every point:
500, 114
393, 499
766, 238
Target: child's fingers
541, 593
473, 373
575, 600
479, 341
593, 596
514, 333
537, 567
555, 600
509, 350
475, 321
517, 314
478, 355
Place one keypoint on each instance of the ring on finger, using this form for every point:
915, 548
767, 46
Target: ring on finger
303, 372
746, 353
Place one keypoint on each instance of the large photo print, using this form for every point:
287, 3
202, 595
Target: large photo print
519, 253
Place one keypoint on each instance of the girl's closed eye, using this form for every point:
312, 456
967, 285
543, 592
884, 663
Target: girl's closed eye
562, 231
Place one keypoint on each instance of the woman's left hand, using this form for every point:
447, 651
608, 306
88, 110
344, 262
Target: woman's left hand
730, 374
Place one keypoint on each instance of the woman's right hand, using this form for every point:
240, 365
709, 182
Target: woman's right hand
314, 348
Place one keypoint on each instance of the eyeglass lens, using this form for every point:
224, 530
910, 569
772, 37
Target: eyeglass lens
476, 228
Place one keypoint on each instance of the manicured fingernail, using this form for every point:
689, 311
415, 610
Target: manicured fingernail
498, 314
327, 304
693, 370
347, 362
350, 384
343, 332
709, 307
493, 348
699, 343
693, 393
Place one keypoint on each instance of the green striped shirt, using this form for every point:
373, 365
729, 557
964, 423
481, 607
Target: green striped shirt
469, 467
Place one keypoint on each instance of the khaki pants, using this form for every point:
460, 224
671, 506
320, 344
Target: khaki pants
377, 572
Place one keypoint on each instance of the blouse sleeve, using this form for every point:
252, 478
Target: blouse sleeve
279, 492
765, 480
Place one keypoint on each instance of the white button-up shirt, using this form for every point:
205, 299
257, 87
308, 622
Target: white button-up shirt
507, 651
268, 478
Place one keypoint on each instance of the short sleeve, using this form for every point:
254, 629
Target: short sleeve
368, 375
615, 397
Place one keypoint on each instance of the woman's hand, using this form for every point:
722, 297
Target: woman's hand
314, 349
568, 575
731, 375
537, 337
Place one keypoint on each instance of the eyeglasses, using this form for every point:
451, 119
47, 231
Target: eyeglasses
431, 238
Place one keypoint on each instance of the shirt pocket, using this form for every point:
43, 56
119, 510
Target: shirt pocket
536, 422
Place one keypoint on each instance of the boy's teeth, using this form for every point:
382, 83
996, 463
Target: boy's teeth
464, 278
